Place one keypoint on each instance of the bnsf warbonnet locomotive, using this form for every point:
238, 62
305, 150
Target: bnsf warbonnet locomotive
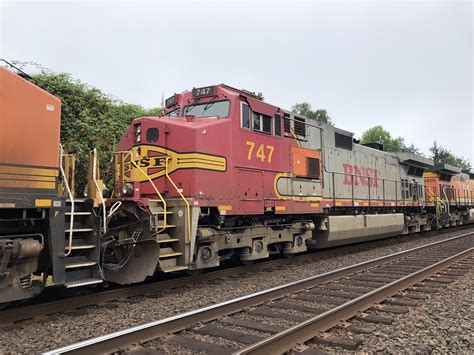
220, 174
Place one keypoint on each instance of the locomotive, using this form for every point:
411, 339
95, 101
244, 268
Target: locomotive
220, 174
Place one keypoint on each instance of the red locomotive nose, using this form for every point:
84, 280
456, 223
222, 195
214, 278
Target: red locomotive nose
189, 148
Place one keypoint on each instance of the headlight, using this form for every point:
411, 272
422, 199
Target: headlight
127, 189
138, 133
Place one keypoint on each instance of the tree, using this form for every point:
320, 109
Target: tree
305, 109
442, 155
89, 119
378, 134
409, 148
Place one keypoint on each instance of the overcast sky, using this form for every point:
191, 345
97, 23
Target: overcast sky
404, 65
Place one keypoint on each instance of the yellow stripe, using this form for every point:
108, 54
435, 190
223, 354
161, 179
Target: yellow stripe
27, 177
27, 171
147, 160
224, 208
28, 184
42, 203
280, 208
315, 205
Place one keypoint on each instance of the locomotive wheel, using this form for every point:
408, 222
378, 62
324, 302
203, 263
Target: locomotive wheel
247, 262
242, 254
288, 255
193, 272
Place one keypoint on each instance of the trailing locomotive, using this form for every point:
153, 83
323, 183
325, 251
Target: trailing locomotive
220, 174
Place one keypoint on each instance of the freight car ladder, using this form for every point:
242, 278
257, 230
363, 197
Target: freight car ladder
82, 250
81, 243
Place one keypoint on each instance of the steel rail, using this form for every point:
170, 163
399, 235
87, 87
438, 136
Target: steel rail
9, 316
146, 332
67, 304
289, 338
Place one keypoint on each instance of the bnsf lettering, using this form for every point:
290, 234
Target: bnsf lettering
147, 162
144, 162
360, 175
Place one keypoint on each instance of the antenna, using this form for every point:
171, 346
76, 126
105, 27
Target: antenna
18, 70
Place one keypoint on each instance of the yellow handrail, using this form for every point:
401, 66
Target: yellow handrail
165, 225
71, 198
439, 202
188, 208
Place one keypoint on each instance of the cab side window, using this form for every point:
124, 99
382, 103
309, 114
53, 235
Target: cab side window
266, 124
286, 123
245, 115
259, 122
277, 124
256, 122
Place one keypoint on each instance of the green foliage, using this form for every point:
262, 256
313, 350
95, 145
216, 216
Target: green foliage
305, 109
442, 155
89, 119
378, 134
410, 148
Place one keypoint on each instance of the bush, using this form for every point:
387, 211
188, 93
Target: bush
89, 119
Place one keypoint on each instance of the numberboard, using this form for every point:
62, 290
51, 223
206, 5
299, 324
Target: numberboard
205, 91
170, 101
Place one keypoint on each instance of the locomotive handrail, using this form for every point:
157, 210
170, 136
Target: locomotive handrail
94, 178
188, 212
447, 199
437, 200
332, 174
163, 201
71, 198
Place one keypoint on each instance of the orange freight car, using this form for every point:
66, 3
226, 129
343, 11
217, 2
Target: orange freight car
31, 212
30, 121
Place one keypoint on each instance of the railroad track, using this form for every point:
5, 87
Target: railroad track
78, 304
287, 317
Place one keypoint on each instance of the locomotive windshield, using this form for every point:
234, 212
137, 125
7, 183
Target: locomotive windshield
173, 113
218, 109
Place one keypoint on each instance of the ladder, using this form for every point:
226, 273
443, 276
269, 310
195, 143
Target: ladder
81, 258
442, 209
82, 251
171, 255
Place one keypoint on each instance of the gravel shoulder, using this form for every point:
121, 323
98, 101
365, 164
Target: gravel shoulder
443, 324
64, 329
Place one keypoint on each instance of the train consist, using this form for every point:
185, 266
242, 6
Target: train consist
219, 174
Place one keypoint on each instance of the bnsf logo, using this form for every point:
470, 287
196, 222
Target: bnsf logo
359, 173
146, 162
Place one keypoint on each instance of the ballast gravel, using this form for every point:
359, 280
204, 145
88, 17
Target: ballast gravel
58, 331
442, 324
